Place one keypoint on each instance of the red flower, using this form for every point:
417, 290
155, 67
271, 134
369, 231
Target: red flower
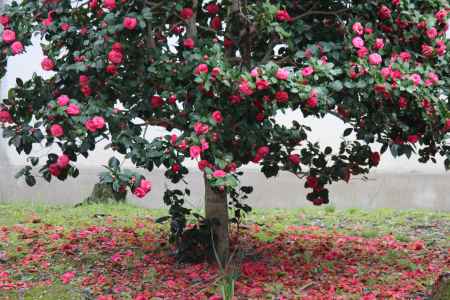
156, 101
56, 130
17, 47
375, 158
384, 12
67, 277
217, 116
262, 84
212, 8
216, 23
110, 4
186, 13
47, 64
8, 36
283, 16
63, 161
294, 159
189, 43
201, 68
54, 169
282, 97
115, 57
5, 116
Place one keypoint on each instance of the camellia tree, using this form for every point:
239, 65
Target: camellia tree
215, 74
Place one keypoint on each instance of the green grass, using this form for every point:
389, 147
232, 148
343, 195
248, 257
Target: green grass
404, 225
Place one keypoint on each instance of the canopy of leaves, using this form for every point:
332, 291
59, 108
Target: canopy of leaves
219, 72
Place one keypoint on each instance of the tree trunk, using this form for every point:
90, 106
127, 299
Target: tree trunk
216, 211
104, 193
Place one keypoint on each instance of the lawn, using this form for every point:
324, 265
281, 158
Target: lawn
119, 252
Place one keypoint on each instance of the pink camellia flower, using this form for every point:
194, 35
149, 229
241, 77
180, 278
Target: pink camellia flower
204, 145
307, 71
262, 84
294, 159
146, 185
405, 56
427, 50
358, 42
189, 43
312, 102
73, 110
255, 72
245, 89
129, 23
358, 28
432, 33
282, 96
212, 8
8, 36
217, 116
375, 59
219, 173
362, 52
109, 4
54, 169
201, 68
63, 100
64, 26
186, 13
5, 116
433, 77
67, 277
282, 74
379, 44
99, 122
441, 15
263, 151
200, 128
416, 79
63, 161
194, 151
385, 72
17, 47
47, 64
115, 57
90, 126
283, 16
56, 130
215, 71
384, 12
156, 101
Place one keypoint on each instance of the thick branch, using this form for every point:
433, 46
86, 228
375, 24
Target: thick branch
323, 13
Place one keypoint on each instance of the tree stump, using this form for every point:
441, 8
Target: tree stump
104, 193
441, 289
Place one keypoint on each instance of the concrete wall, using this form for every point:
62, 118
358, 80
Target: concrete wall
398, 183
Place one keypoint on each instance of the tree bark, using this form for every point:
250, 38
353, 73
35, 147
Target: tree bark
216, 211
104, 193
